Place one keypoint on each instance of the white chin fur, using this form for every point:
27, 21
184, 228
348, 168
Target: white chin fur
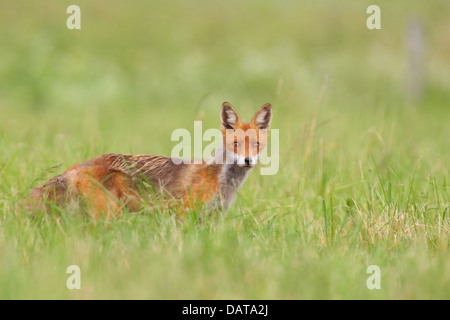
240, 161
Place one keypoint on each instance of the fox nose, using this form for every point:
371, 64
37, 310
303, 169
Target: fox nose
247, 161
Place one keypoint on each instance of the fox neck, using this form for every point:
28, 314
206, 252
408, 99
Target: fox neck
232, 176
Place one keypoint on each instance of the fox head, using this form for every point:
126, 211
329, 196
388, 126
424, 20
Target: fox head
243, 142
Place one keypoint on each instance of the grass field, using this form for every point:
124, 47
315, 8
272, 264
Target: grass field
364, 165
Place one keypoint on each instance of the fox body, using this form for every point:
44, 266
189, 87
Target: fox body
111, 182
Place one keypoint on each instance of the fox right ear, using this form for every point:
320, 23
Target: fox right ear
228, 117
263, 117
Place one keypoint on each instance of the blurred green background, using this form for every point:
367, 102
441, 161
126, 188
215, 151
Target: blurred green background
364, 144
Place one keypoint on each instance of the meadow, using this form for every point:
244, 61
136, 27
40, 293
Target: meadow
364, 162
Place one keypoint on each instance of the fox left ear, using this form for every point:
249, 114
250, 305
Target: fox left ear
263, 117
229, 117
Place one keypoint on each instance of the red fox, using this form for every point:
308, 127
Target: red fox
111, 182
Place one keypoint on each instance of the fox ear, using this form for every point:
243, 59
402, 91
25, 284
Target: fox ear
228, 117
263, 117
